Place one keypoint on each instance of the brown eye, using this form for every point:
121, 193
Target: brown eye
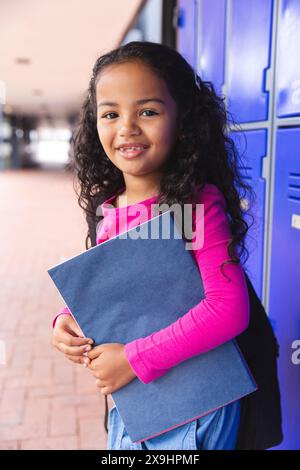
149, 111
107, 115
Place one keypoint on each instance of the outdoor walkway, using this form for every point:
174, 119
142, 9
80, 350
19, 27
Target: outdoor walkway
46, 401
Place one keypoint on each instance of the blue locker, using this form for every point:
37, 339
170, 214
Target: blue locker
288, 76
253, 150
284, 304
187, 30
211, 42
249, 58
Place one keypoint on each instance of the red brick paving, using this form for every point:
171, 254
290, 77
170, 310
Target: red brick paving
46, 402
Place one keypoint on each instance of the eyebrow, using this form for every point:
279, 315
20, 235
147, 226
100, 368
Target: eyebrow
145, 100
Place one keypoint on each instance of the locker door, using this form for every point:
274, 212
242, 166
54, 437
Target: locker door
248, 59
187, 30
211, 42
284, 304
253, 151
288, 89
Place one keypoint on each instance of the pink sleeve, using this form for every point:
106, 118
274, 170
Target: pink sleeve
62, 311
221, 316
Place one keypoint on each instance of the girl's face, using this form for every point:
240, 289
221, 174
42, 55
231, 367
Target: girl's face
122, 117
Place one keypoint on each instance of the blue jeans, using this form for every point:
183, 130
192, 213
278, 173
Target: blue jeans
216, 431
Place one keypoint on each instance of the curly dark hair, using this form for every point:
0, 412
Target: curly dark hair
204, 152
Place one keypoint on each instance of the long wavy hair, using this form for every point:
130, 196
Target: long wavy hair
203, 153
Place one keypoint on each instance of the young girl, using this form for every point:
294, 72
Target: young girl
152, 131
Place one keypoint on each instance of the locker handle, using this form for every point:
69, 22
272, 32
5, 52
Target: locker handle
266, 86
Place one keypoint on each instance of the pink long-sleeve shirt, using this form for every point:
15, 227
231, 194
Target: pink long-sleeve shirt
221, 316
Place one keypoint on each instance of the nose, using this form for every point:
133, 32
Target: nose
128, 127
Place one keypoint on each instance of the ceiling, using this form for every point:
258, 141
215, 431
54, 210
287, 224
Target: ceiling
62, 39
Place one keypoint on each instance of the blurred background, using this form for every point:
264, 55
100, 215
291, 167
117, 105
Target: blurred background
249, 49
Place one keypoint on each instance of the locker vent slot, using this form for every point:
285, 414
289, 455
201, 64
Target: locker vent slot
294, 187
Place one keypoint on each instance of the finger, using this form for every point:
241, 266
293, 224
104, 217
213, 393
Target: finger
93, 368
100, 383
86, 361
75, 329
67, 324
105, 390
71, 340
94, 353
74, 350
78, 359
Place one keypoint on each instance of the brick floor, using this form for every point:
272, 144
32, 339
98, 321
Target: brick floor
46, 402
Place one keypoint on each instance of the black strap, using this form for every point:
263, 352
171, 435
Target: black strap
106, 415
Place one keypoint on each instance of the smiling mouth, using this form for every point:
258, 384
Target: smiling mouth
131, 152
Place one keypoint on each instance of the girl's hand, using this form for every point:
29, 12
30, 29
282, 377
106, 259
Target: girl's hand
110, 367
67, 338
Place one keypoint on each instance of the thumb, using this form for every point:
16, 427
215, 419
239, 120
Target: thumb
94, 353
74, 329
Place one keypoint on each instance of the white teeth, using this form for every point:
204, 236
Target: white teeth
125, 149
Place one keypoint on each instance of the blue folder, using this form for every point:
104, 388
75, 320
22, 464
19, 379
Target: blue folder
136, 283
